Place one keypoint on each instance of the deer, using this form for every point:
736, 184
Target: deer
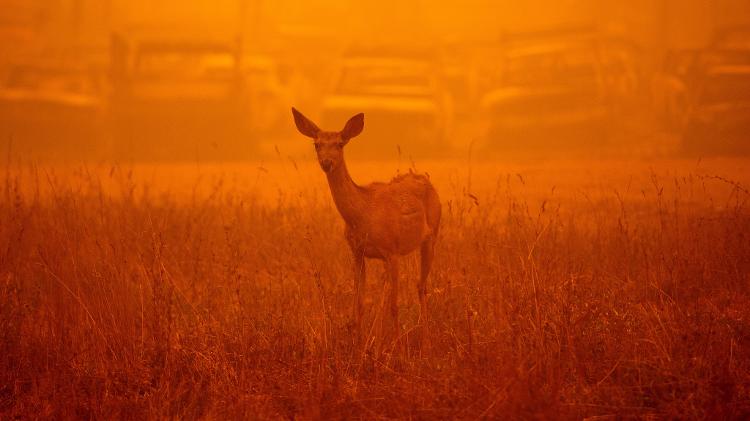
383, 221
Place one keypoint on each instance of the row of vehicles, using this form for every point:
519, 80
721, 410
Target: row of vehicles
550, 92
530, 92
161, 97
540, 91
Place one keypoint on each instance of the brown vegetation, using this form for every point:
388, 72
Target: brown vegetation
566, 299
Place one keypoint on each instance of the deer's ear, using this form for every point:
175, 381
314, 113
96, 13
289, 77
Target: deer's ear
353, 127
304, 125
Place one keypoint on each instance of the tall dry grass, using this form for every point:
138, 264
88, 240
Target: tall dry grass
554, 300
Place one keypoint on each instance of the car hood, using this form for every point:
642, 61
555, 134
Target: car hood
726, 107
70, 99
380, 103
541, 98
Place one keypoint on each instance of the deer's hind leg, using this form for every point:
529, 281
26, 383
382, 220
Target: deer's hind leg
359, 287
427, 254
391, 264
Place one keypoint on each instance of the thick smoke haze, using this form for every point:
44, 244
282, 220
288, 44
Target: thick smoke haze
212, 81
479, 209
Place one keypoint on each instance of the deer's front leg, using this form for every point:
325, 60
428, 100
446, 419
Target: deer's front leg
359, 287
391, 264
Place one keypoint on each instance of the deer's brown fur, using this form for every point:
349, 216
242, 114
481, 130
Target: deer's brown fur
383, 220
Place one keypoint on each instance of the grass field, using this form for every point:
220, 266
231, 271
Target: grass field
561, 290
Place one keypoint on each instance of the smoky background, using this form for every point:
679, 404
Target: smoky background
214, 81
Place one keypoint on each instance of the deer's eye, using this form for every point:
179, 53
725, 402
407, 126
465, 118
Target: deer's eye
317, 146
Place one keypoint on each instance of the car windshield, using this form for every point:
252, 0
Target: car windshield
385, 78
561, 67
179, 65
726, 88
737, 40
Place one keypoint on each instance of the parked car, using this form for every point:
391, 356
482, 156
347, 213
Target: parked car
400, 94
675, 88
459, 72
718, 116
546, 94
179, 99
670, 87
718, 120
624, 82
268, 96
52, 110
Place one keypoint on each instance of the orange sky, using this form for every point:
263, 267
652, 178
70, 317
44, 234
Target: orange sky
88, 22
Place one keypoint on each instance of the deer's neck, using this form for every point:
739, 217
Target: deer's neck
349, 198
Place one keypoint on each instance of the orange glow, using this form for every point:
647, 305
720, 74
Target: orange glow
175, 244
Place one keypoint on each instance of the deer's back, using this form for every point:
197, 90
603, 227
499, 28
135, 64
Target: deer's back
400, 216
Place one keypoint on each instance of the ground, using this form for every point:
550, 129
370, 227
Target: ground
561, 289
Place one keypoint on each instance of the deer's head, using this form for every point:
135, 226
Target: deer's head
329, 146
